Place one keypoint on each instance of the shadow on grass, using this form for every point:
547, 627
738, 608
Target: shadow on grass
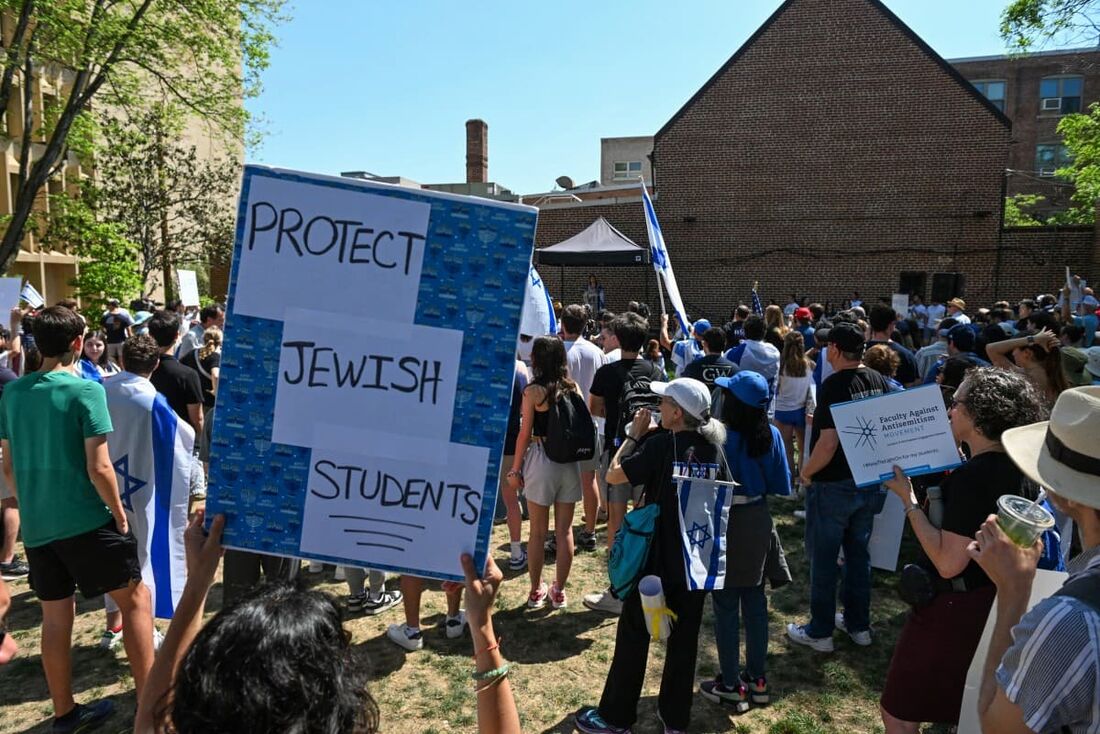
93, 668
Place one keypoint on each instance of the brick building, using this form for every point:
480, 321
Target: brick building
835, 150
1036, 91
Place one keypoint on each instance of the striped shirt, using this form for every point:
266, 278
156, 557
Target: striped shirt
1052, 669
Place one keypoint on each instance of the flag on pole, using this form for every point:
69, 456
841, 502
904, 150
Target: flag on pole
151, 451
537, 318
704, 504
661, 262
757, 306
31, 296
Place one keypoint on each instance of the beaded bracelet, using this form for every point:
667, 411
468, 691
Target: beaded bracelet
494, 673
491, 683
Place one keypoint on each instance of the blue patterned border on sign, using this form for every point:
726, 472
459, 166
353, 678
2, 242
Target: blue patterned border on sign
476, 260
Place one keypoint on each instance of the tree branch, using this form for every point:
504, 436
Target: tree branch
116, 51
12, 61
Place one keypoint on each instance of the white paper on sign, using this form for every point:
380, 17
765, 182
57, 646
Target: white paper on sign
908, 428
354, 250
885, 543
394, 513
1045, 584
341, 371
189, 287
9, 293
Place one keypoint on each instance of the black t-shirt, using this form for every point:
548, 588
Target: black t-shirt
908, 372
178, 383
842, 387
735, 332
651, 466
608, 383
708, 368
115, 326
212, 361
970, 495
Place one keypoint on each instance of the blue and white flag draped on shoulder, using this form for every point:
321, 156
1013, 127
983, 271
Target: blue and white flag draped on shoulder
661, 263
704, 503
151, 452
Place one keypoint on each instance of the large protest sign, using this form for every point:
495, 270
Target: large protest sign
367, 371
908, 428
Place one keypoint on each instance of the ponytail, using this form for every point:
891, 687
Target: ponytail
713, 430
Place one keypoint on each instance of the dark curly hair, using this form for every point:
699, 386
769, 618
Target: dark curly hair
277, 660
997, 400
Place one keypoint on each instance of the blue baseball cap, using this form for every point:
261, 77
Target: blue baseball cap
747, 386
962, 336
699, 327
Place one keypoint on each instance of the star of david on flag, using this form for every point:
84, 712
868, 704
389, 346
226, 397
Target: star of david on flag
128, 485
704, 508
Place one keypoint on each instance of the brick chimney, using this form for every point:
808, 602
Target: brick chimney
477, 151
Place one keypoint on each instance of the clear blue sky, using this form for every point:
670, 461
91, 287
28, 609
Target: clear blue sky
386, 87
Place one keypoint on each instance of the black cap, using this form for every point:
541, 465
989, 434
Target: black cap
847, 337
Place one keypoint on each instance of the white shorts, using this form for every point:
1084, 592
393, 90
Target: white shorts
547, 482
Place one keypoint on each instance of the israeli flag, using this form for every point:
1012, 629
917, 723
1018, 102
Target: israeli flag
704, 505
661, 263
33, 298
151, 452
537, 318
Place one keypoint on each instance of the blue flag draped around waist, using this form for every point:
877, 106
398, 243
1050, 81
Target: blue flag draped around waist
704, 504
151, 451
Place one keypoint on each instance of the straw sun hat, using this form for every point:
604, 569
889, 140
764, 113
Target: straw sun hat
1063, 453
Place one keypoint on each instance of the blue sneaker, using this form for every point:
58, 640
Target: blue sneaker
84, 717
589, 721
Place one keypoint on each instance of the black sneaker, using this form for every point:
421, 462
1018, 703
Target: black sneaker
586, 541
716, 691
758, 688
386, 600
84, 717
16, 569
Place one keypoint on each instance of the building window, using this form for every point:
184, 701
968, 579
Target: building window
993, 90
1060, 94
1050, 157
628, 169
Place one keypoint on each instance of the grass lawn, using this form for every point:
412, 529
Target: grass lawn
562, 657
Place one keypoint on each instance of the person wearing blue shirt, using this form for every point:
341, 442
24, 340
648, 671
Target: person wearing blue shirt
1085, 316
758, 463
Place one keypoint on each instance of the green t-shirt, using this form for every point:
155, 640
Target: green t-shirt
45, 416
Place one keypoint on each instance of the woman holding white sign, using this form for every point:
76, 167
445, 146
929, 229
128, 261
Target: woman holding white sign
950, 594
546, 483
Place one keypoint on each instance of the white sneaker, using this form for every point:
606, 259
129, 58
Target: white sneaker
456, 625
110, 640
797, 634
603, 601
863, 639
400, 635
340, 574
316, 567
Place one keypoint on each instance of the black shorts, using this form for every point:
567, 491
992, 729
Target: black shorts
97, 561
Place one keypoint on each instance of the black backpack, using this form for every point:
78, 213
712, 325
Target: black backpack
635, 395
570, 431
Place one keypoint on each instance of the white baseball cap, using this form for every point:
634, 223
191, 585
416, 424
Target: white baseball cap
690, 394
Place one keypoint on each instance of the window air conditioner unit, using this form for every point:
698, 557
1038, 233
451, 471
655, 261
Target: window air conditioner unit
1047, 171
1052, 104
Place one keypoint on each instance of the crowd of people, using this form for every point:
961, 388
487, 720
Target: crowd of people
746, 404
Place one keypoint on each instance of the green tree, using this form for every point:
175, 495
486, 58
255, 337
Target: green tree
1026, 24
201, 54
1018, 210
176, 205
109, 261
